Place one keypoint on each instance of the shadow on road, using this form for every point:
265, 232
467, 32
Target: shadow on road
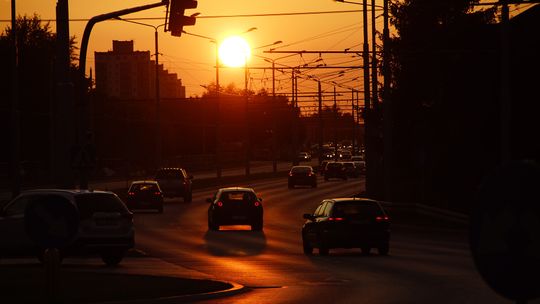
235, 243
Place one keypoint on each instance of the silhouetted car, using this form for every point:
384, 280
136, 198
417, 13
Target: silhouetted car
304, 156
335, 170
322, 166
350, 169
345, 154
145, 195
105, 224
235, 206
302, 175
175, 182
347, 223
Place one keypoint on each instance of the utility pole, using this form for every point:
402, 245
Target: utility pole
353, 121
367, 104
275, 120
374, 60
321, 126
64, 127
15, 119
248, 140
505, 104
387, 110
335, 126
295, 124
159, 160
218, 118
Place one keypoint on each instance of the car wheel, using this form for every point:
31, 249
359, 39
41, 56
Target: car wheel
112, 258
188, 198
308, 250
365, 250
384, 249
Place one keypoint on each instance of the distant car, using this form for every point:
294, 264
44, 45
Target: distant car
347, 223
304, 156
105, 224
175, 182
145, 195
335, 170
322, 166
350, 169
345, 155
302, 175
235, 206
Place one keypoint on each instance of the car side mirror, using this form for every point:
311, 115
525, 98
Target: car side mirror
308, 216
209, 200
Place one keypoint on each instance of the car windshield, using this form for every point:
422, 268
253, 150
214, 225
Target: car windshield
237, 196
90, 203
144, 188
354, 209
169, 174
301, 169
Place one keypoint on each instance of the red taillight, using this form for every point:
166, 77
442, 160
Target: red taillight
220, 204
257, 204
382, 218
335, 219
157, 193
290, 174
131, 193
309, 174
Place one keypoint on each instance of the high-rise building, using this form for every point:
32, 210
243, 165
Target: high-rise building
127, 74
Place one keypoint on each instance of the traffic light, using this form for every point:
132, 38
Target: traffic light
177, 20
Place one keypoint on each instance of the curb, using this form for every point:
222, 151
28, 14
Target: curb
234, 290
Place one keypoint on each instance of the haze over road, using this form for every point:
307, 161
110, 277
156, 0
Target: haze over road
424, 265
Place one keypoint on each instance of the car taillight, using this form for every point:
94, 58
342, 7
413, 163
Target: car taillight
157, 193
335, 219
220, 204
290, 174
131, 193
382, 218
257, 204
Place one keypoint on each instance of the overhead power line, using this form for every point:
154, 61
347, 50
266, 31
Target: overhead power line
217, 16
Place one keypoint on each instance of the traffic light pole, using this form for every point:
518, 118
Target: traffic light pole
83, 114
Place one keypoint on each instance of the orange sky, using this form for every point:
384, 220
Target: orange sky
194, 58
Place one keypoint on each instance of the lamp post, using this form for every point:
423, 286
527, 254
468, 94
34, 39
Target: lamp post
158, 161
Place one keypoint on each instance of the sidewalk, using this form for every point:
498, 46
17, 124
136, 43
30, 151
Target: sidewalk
87, 280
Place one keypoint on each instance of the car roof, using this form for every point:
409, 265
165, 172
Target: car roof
229, 189
309, 167
67, 191
350, 199
144, 182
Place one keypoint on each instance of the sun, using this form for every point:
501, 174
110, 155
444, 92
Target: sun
234, 51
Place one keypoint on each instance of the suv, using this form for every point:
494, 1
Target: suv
235, 206
175, 182
105, 224
347, 223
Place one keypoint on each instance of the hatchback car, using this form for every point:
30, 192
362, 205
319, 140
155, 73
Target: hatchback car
302, 175
105, 224
235, 206
335, 170
175, 182
347, 223
145, 195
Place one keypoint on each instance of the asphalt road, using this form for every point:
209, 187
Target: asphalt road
424, 266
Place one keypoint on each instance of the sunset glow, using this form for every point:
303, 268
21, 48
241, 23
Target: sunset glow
234, 51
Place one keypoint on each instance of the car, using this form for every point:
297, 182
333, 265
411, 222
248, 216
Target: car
345, 154
322, 166
350, 169
235, 206
105, 224
175, 182
347, 223
304, 156
302, 175
335, 170
145, 195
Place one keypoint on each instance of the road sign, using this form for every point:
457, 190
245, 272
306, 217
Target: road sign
51, 221
505, 231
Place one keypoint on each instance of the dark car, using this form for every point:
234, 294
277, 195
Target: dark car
145, 195
350, 169
335, 170
347, 223
302, 175
175, 182
105, 224
322, 166
235, 206
304, 156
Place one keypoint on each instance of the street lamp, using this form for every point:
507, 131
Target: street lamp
157, 93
